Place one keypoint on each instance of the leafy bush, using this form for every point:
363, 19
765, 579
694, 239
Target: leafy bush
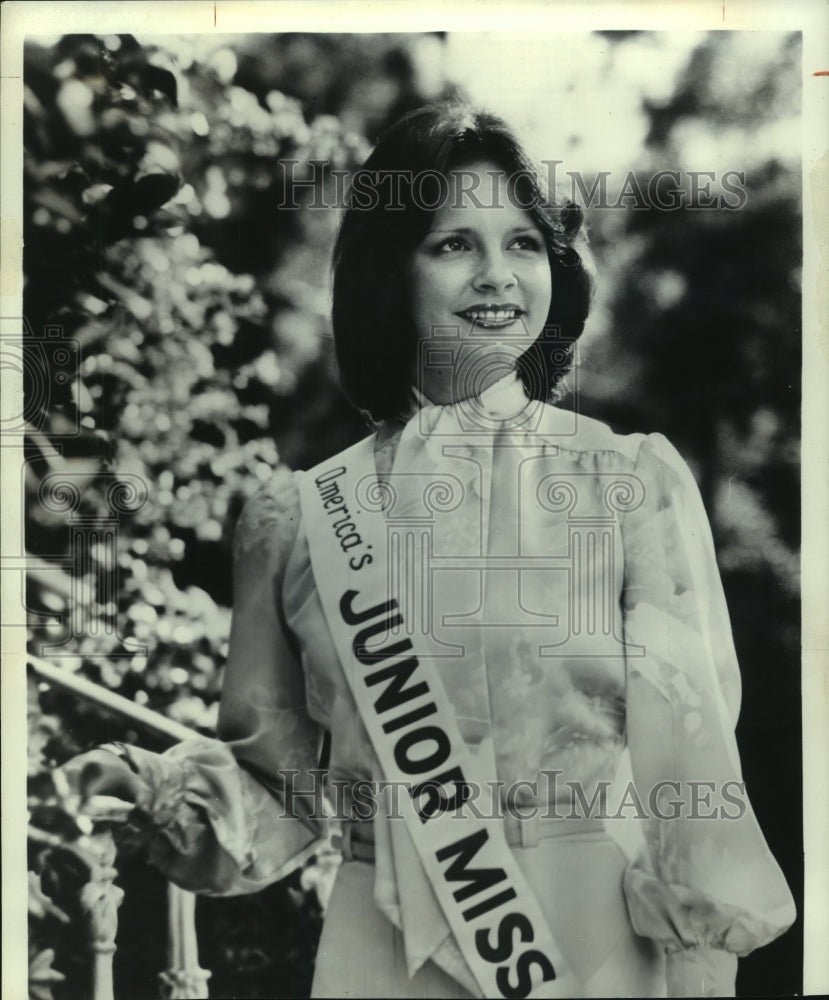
194, 313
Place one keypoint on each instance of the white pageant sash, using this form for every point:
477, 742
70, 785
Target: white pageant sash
492, 913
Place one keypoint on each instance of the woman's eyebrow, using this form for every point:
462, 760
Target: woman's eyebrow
464, 230
471, 231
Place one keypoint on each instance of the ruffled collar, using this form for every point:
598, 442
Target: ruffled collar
504, 399
430, 445
466, 421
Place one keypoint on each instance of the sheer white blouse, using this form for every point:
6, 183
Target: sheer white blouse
573, 581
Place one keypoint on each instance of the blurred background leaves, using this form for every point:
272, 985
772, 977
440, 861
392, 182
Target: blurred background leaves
194, 318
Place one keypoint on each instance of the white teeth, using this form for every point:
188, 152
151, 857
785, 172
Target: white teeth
493, 315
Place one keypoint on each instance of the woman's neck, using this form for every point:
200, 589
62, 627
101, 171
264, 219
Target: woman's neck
444, 387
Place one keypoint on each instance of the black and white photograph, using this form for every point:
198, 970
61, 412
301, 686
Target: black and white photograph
414, 484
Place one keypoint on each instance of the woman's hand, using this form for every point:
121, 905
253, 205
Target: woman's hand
105, 784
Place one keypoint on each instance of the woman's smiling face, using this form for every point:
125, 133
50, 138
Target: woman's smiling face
480, 286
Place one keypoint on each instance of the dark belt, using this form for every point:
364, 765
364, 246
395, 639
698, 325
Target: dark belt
357, 843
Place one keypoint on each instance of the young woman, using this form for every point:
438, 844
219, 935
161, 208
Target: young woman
506, 612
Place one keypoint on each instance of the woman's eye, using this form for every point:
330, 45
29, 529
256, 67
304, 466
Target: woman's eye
527, 243
455, 244
451, 244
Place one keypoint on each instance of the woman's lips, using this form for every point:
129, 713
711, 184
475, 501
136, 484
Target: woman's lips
492, 317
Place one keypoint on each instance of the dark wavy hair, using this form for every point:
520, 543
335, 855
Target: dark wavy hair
385, 220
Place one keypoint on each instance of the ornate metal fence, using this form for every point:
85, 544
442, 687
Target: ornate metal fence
100, 896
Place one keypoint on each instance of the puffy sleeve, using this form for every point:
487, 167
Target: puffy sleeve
225, 816
707, 888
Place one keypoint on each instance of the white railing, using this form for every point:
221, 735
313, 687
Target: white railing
100, 896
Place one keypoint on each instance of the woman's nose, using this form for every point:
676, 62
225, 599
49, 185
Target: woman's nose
494, 273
